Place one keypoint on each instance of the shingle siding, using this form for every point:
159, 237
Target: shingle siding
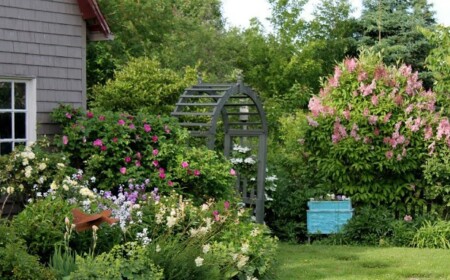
46, 40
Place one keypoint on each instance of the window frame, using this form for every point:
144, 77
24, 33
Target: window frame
30, 110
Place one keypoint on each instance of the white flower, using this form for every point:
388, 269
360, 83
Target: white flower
86, 192
249, 160
272, 178
53, 186
65, 187
171, 221
236, 160
28, 170
60, 165
254, 232
41, 180
244, 248
204, 207
251, 278
142, 236
158, 248
93, 179
199, 261
242, 261
206, 248
42, 166
25, 161
9, 190
159, 218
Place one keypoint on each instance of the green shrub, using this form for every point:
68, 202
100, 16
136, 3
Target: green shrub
371, 130
41, 225
205, 174
15, 262
30, 170
119, 148
142, 85
128, 261
368, 226
433, 235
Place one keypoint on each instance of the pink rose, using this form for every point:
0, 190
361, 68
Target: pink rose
123, 170
147, 128
65, 140
98, 143
184, 164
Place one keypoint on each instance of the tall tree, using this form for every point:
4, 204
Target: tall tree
392, 27
176, 32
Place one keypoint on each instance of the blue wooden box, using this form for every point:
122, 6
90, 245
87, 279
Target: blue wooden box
325, 217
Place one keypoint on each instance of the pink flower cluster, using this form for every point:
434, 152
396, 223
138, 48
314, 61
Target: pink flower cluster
339, 132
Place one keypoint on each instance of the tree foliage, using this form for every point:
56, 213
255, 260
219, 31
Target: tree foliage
142, 85
391, 26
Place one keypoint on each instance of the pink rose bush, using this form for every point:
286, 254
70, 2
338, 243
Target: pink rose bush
117, 148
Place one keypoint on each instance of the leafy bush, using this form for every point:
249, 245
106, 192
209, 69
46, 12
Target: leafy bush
142, 85
15, 262
41, 225
370, 132
115, 149
128, 261
29, 170
433, 235
368, 226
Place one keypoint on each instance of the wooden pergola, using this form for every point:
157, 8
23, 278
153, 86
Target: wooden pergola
204, 107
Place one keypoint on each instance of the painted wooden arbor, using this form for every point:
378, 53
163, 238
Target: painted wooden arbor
203, 108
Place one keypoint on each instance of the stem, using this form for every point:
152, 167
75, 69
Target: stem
3, 205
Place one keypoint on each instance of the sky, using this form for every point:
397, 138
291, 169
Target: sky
239, 12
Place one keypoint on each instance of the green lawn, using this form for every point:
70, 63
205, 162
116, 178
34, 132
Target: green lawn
358, 263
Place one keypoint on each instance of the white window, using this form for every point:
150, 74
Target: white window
17, 113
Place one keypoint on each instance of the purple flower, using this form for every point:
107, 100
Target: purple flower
65, 139
121, 122
68, 115
184, 164
155, 152
196, 173
89, 115
155, 138
226, 204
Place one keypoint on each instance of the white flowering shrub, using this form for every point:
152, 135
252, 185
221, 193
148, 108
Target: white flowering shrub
29, 171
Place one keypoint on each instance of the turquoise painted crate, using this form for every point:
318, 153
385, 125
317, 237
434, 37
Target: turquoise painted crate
325, 217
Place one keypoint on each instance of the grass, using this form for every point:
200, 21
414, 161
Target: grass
359, 263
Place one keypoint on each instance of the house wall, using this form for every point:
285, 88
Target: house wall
46, 40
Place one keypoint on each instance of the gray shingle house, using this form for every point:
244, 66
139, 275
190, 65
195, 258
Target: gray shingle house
43, 62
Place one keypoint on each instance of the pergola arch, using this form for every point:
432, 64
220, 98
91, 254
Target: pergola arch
200, 109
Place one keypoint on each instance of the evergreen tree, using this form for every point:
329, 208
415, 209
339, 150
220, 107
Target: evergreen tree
392, 27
